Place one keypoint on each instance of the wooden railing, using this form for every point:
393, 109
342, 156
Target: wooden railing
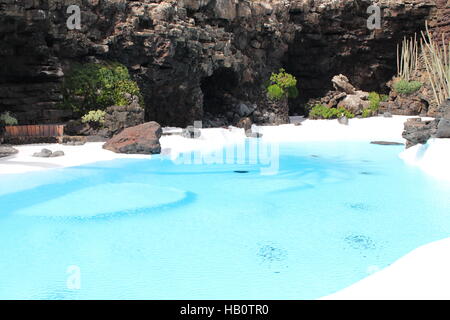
45, 130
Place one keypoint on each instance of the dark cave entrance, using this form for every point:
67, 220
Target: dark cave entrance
316, 61
330, 47
218, 100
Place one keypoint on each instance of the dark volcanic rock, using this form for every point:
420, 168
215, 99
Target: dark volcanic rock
444, 110
188, 55
118, 118
443, 129
418, 132
44, 153
387, 143
245, 123
406, 105
141, 139
76, 128
6, 151
57, 153
73, 140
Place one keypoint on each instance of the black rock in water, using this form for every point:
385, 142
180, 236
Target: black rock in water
387, 143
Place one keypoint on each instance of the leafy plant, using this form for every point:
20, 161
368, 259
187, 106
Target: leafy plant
94, 86
282, 85
406, 87
95, 117
367, 113
7, 119
275, 92
320, 111
374, 104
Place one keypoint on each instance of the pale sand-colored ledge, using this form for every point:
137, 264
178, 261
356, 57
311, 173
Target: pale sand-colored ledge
422, 274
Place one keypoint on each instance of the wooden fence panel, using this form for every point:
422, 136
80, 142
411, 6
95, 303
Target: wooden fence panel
35, 131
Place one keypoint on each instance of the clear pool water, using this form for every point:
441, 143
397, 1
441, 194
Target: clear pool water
155, 229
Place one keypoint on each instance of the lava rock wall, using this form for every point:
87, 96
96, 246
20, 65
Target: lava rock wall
174, 49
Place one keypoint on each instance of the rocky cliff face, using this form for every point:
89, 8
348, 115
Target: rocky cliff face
201, 59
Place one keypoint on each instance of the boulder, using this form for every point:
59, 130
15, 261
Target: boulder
343, 120
245, 123
354, 103
44, 153
444, 109
418, 132
6, 151
141, 139
443, 129
56, 154
341, 83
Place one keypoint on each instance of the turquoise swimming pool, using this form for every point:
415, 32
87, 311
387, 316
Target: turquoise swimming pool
331, 214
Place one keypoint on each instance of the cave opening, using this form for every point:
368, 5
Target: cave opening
367, 57
219, 92
314, 62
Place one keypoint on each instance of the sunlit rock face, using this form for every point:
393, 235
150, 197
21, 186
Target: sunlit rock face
174, 49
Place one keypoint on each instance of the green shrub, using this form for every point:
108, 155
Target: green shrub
374, 104
94, 86
320, 111
282, 85
341, 112
7, 119
374, 99
407, 87
94, 117
367, 113
275, 92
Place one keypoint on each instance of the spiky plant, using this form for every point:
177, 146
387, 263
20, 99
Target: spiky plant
437, 63
408, 58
